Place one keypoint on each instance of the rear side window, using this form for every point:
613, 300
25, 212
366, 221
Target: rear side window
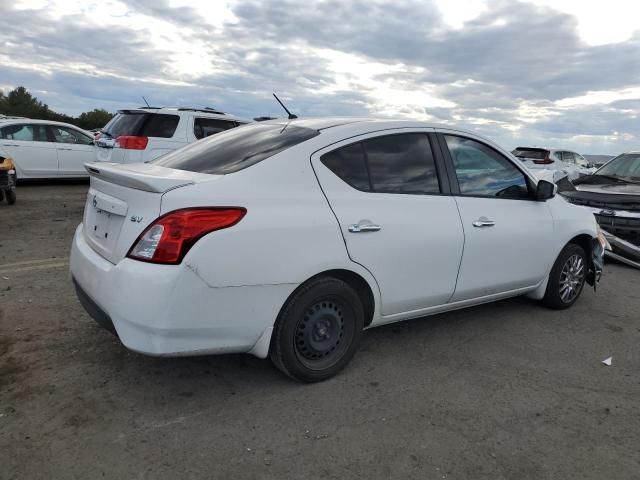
401, 163
144, 124
236, 149
25, 133
350, 165
203, 127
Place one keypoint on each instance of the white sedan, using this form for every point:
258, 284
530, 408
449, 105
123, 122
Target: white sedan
45, 149
289, 238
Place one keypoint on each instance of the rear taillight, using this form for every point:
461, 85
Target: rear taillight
545, 161
169, 238
131, 142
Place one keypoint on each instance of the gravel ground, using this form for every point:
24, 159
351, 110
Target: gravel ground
502, 391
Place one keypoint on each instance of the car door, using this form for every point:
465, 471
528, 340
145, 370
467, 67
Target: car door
74, 149
29, 146
508, 235
386, 192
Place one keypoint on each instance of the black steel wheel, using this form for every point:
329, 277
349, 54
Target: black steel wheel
318, 330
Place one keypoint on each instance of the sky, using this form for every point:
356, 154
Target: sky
555, 73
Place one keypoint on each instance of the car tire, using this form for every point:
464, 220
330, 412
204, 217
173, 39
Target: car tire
11, 197
318, 330
567, 278
1, 195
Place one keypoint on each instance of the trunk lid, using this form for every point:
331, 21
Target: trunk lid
124, 199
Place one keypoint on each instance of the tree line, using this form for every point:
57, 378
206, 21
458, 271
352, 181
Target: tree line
20, 103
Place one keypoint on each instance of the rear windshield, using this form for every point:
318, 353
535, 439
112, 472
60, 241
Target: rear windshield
534, 153
144, 124
235, 149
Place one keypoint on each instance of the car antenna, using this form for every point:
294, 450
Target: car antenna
145, 101
291, 115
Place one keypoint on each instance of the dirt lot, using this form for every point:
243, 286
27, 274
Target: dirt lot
504, 391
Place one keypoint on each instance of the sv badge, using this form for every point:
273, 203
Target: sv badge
136, 218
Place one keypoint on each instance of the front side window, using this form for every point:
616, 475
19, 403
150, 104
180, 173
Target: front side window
69, 135
568, 157
25, 133
482, 171
204, 127
401, 163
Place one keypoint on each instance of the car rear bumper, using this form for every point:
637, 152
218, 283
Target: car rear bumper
168, 310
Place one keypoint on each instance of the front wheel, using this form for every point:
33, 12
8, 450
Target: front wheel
567, 278
318, 331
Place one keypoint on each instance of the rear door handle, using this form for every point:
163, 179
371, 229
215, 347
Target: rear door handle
10, 145
483, 222
65, 148
364, 227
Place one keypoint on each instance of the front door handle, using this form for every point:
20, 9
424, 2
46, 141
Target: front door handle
65, 148
364, 226
483, 222
10, 145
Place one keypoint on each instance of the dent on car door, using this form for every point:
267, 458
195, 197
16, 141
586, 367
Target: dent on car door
74, 149
508, 235
386, 194
30, 148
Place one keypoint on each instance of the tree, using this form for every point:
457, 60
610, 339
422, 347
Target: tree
20, 103
96, 118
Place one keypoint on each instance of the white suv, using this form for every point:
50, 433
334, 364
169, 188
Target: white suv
553, 165
142, 134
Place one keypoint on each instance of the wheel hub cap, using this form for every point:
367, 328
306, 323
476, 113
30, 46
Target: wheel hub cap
320, 331
571, 278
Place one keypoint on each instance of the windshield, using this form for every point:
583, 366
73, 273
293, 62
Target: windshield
142, 123
236, 149
534, 153
626, 166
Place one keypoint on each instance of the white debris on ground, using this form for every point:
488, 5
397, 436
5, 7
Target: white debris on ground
607, 361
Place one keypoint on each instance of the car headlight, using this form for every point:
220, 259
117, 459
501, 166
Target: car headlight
603, 240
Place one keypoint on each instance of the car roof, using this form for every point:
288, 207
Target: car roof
324, 123
7, 121
210, 112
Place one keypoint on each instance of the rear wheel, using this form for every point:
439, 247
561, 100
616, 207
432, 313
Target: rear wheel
11, 197
567, 278
1, 195
318, 330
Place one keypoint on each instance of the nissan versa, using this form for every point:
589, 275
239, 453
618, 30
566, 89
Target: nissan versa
288, 238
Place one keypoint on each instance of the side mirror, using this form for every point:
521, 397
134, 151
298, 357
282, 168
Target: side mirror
545, 190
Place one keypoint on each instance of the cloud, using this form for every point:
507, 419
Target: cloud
518, 72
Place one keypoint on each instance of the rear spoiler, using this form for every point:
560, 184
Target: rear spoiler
142, 176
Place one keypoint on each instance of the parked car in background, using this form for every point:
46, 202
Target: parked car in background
142, 134
289, 237
45, 149
7, 180
552, 165
613, 195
